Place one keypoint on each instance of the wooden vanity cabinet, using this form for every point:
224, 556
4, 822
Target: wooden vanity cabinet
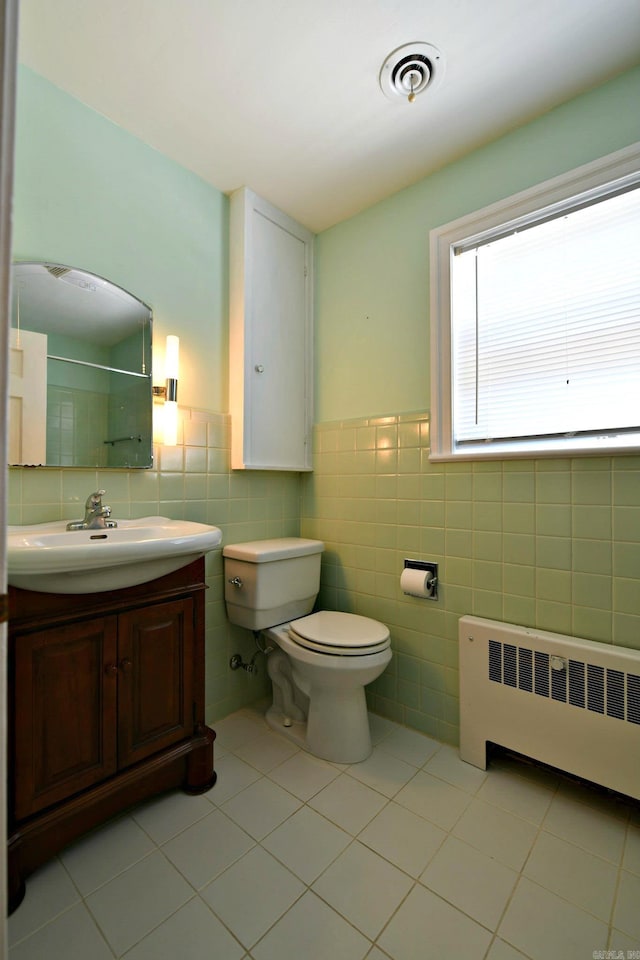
106, 708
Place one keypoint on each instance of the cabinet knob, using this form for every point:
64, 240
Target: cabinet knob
125, 664
259, 368
111, 669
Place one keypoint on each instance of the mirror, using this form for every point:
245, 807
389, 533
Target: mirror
80, 371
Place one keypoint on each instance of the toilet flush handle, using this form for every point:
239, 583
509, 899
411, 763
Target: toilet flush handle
236, 581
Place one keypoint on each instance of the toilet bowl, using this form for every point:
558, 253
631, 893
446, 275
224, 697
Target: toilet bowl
319, 663
319, 698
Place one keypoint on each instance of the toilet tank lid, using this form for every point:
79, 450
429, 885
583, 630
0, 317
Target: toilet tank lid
280, 548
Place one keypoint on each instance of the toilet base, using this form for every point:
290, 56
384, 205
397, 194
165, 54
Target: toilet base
338, 725
319, 700
345, 738
295, 731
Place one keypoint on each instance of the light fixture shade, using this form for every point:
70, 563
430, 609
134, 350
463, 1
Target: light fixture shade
170, 425
172, 357
171, 372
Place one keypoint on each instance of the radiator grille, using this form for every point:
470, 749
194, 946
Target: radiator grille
583, 685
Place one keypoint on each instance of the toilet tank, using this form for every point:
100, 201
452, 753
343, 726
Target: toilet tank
268, 582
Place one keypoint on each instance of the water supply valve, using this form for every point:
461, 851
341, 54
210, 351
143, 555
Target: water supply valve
236, 662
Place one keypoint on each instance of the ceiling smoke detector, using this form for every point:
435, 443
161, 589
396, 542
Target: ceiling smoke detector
410, 69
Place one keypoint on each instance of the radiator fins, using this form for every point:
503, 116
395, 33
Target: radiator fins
584, 685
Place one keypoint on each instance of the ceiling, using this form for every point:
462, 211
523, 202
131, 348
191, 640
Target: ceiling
283, 96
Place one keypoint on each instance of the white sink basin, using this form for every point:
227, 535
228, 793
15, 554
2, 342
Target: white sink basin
48, 558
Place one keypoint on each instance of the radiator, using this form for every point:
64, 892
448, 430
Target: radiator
573, 704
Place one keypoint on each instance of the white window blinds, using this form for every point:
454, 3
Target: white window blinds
545, 328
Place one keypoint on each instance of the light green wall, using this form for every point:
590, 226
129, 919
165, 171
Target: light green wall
90, 195
372, 319
552, 544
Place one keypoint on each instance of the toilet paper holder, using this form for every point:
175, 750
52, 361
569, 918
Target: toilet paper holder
431, 570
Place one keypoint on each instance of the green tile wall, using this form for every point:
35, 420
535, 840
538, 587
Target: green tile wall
553, 544
192, 481
76, 422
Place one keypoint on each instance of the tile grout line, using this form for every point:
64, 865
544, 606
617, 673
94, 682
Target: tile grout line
355, 837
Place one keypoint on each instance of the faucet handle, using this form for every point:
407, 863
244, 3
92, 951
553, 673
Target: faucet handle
95, 498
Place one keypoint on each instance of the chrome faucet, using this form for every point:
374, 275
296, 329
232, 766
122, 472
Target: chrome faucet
96, 516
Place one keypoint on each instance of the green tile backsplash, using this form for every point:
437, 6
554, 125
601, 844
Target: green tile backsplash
193, 481
553, 544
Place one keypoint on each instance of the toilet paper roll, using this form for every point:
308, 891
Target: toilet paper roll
415, 582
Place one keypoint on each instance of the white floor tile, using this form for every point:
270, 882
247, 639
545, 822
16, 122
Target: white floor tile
348, 803
252, 895
522, 797
380, 727
169, 814
261, 807
427, 928
71, 936
104, 854
447, 765
608, 803
631, 859
304, 775
313, 931
363, 888
598, 832
237, 729
504, 951
433, 799
543, 925
411, 829
477, 884
383, 772
233, 776
627, 913
131, 906
497, 833
574, 874
307, 843
403, 837
266, 751
207, 848
409, 745
521, 767
192, 933
49, 893
628, 947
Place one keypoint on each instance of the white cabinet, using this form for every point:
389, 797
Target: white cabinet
270, 337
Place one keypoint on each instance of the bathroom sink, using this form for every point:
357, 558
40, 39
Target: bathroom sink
48, 558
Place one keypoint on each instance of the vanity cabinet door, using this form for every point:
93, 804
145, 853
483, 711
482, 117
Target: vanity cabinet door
155, 688
66, 696
106, 708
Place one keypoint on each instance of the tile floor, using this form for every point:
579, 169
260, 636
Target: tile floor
410, 855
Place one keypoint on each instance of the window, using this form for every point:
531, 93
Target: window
536, 320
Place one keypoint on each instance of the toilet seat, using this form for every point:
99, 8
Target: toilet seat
339, 634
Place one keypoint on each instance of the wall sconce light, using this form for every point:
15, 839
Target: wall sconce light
170, 391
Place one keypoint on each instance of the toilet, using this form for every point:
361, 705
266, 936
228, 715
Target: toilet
319, 663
